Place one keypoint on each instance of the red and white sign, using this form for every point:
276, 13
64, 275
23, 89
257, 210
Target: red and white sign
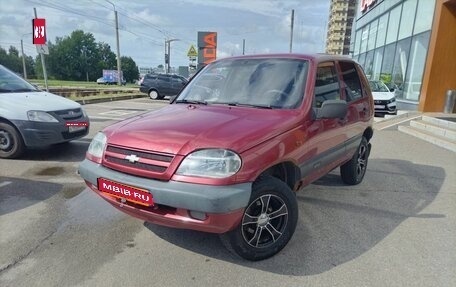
126, 192
365, 4
39, 31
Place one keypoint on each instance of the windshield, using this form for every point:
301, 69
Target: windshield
12, 83
262, 83
378, 86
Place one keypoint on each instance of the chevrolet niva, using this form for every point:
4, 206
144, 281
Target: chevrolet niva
229, 153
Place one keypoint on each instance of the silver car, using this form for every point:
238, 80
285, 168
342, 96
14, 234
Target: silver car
30, 117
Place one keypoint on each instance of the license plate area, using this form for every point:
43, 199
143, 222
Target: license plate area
74, 127
379, 106
127, 192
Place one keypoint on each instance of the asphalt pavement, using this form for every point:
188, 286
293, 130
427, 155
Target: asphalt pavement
397, 228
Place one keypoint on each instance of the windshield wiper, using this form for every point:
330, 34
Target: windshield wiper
235, 104
196, 102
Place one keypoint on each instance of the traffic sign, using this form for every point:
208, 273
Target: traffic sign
42, 49
192, 52
39, 31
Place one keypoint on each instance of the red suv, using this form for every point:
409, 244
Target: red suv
229, 153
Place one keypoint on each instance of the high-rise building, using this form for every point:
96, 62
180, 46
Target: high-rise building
341, 15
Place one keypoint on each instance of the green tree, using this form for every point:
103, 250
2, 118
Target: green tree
106, 58
73, 57
129, 68
11, 59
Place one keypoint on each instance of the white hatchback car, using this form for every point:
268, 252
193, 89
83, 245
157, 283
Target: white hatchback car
384, 99
30, 117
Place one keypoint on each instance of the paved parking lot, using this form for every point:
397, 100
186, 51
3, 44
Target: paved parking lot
397, 228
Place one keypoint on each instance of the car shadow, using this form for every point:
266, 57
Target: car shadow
337, 223
18, 193
64, 152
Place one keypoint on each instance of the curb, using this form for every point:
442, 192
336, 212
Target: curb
110, 99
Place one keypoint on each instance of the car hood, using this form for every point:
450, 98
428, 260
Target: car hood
181, 128
382, 95
40, 101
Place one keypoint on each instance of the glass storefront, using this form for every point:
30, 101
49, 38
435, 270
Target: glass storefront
391, 42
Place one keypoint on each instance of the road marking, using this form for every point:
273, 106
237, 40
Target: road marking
5, 183
117, 113
397, 123
106, 118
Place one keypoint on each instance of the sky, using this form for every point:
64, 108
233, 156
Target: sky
145, 25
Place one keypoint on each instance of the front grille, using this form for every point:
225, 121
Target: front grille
152, 156
138, 165
144, 163
72, 114
383, 102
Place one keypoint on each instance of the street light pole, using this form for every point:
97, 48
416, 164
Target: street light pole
168, 44
119, 78
291, 30
23, 59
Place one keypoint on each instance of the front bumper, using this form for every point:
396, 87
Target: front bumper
36, 134
220, 207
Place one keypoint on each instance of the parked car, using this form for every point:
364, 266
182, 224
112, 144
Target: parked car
229, 153
103, 81
31, 118
157, 86
384, 98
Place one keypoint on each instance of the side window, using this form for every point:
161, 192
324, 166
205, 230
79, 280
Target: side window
351, 82
326, 84
164, 78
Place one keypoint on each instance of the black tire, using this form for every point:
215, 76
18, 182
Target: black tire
258, 236
11, 143
353, 171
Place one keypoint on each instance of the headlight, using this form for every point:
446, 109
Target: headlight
40, 116
214, 163
97, 145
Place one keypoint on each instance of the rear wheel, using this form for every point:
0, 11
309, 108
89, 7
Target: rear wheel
268, 222
11, 143
353, 171
153, 94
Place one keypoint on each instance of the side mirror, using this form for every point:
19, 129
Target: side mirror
392, 89
333, 109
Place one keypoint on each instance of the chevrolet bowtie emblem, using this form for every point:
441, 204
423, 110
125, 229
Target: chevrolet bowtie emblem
132, 158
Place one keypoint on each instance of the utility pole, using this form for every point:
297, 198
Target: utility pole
291, 32
23, 59
119, 76
168, 53
43, 64
243, 46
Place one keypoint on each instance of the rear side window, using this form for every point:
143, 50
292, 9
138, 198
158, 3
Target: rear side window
164, 78
351, 82
326, 84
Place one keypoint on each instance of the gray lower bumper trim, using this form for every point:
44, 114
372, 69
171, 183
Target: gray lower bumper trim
198, 197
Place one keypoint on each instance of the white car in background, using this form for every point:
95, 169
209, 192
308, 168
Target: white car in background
384, 99
33, 118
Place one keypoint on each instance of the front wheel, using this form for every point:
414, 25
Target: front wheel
11, 143
268, 223
353, 171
